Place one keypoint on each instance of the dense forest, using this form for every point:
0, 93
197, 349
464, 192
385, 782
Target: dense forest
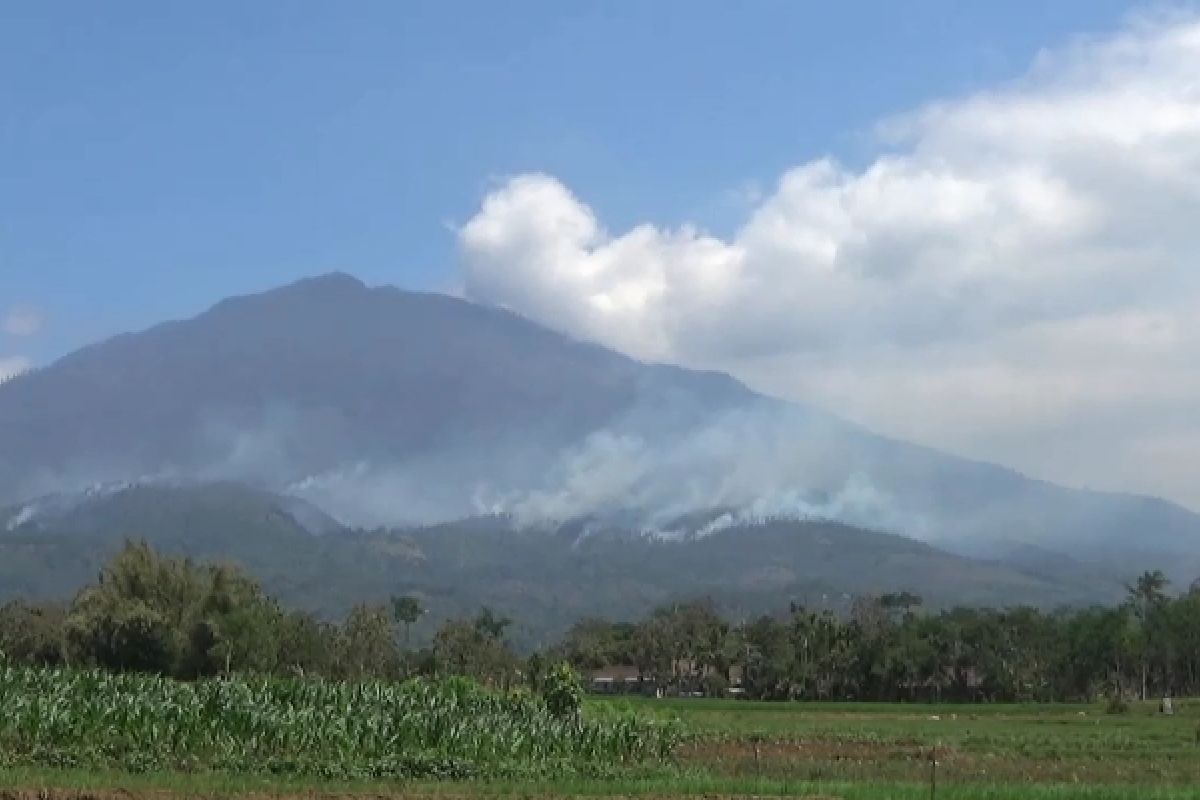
153, 613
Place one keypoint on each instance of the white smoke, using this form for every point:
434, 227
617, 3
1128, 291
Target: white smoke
12, 366
858, 502
644, 470
750, 465
370, 495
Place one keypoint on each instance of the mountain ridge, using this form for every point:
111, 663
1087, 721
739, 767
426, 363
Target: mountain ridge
385, 406
546, 579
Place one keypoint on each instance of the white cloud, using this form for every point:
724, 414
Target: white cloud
12, 365
22, 322
1014, 276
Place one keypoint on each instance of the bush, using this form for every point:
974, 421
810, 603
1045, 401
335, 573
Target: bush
562, 692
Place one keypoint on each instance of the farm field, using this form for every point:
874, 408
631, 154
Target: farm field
981, 750
451, 729
68, 735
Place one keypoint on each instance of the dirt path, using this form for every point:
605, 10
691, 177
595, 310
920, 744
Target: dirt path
156, 794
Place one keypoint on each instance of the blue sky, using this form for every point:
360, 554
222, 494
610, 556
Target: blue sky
966, 224
157, 156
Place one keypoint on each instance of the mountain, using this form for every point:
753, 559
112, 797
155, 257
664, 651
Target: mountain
326, 375
54, 545
544, 579
385, 407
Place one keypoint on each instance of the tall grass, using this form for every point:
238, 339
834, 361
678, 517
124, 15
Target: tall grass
419, 729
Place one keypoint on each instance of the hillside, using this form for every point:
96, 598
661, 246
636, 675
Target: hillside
382, 407
544, 579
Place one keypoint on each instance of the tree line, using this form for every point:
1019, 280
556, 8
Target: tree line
888, 648
148, 612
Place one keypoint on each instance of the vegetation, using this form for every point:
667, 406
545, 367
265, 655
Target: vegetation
418, 729
172, 668
886, 648
852, 751
168, 616
980, 749
544, 580
172, 617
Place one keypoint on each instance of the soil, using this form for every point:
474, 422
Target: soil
121, 794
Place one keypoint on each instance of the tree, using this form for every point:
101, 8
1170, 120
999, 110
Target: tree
1094, 655
1183, 631
651, 650
153, 613
236, 628
366, 644
32, 634
682, 642
595, 643
1149, 589
1147, 595
406, 610
475, 648
490, 624
306, 645
767, 659
901, 601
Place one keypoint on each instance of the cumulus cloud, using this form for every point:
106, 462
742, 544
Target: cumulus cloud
22, 322
1013, 276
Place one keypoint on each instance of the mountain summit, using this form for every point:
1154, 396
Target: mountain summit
385, 406
318, 375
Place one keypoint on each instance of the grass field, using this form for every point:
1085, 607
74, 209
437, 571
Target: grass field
728, 748
980, 750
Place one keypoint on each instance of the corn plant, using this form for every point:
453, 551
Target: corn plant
451, 728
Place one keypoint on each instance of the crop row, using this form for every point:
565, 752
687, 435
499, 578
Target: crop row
450, 728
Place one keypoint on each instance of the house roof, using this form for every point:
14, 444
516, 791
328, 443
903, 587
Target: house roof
616, 672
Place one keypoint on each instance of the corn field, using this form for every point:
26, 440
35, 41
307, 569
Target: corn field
451, 729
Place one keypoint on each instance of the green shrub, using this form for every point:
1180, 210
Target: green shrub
562, 691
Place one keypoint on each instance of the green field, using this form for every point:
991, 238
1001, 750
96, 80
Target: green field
451, 729
71, 734
979, 749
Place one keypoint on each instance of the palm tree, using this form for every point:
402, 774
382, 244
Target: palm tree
1146, 594
491, 625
